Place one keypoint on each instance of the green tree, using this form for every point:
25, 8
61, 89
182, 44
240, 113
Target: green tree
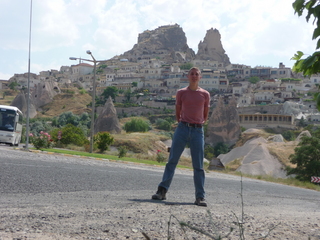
220, 148
37, 126
70, 134
311, 64
68, 117
289, 135
186, 66
109, 92
307, 157
134, 84
208, 152
127, 95
13, 85
254, 80
136, 125
163, 124
103, 140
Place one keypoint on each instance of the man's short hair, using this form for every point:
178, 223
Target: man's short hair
194, 68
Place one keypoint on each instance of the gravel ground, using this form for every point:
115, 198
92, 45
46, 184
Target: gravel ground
130, 221
107, 215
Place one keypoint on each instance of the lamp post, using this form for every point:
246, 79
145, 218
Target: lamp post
28, 86
93, 94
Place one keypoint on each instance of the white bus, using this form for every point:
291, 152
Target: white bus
10, 125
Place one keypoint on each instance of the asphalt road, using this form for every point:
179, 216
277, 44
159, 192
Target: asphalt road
42, 180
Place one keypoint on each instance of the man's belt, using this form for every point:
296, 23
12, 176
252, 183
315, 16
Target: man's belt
194, 125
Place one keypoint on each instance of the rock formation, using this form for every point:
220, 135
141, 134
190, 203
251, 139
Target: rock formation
20, 102
169, 43
108, 120
223, 125
42, 94
295, 109
276, 138
305, 133
254, 158
211, 48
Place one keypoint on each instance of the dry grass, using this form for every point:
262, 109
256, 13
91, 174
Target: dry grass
74, 102
282, 151
250, 135
143, 143
9, 96
233, 165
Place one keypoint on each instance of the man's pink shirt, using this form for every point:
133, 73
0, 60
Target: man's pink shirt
192, 104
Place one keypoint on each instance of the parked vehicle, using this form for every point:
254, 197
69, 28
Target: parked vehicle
10, 125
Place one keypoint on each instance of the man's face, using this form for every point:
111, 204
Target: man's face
194, 76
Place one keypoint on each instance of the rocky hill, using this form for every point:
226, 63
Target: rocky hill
169, 43
211, 48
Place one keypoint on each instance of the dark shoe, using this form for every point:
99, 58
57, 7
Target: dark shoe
161, 194
200, 202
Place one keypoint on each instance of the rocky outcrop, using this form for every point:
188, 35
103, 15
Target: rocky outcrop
223, 125
108, 120
169, 43
20, 102
303, 134
295, 109
276, 138
211, 48
254, 158
42, 94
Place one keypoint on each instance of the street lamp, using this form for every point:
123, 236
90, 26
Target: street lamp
93, 94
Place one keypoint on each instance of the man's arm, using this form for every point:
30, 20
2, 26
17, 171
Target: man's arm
178, 112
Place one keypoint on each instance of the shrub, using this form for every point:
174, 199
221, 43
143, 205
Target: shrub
221, 148
208, 152
70, 134
289, 135
160, 157
122, 151
136, 125
42, 141
163, 124
103, 140
306, 157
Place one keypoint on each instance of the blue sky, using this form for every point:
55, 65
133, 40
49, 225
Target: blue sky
253, 32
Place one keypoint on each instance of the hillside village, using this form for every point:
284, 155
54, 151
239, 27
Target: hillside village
158, 63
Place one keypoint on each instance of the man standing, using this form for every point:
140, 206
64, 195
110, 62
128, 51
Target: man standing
192, 107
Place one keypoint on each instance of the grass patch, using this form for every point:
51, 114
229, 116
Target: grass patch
285, 181
282, 151
233, 165
106, 156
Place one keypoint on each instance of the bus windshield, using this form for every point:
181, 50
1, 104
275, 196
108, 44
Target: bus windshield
7, 119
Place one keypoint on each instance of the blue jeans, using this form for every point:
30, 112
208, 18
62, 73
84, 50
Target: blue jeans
195, 137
